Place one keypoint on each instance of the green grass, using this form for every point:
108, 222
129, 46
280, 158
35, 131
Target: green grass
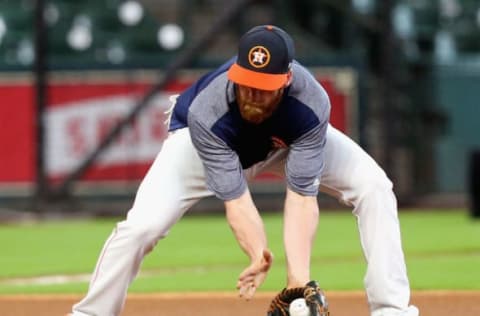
442, 251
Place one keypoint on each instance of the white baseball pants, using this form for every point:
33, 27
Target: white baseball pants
176, 181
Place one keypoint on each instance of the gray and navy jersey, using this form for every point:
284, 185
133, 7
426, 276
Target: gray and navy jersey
227, 144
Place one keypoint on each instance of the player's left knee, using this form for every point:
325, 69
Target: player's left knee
379, 182
373, 179
372, 184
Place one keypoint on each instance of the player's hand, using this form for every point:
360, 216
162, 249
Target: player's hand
254, 275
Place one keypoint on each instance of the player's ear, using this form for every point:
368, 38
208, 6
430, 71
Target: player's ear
289, 78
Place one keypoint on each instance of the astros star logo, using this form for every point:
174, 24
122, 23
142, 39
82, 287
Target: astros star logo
259, 57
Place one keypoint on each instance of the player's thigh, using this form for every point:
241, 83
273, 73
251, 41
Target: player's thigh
174, 182
348, 170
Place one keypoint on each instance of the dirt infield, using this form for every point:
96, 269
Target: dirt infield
431, 303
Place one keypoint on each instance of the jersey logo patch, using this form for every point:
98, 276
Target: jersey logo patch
259, 57
277, 142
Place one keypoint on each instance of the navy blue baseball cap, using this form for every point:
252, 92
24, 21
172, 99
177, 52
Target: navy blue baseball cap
265, 55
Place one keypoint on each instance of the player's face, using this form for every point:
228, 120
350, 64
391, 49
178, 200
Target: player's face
257, 105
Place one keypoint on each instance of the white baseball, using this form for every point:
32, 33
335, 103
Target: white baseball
298, 307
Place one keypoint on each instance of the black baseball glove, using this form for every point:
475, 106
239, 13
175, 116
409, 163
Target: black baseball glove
311, 292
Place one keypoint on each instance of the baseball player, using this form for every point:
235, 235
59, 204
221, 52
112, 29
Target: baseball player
260, 111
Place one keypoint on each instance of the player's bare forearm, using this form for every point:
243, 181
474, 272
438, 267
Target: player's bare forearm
247, 226
300, 225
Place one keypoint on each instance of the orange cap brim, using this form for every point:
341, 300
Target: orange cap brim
254, 79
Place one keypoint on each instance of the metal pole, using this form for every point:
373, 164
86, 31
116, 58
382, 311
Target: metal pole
474, 183
40, 71
387, 76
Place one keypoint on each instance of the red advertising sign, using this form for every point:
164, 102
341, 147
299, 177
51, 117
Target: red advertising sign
83, 107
